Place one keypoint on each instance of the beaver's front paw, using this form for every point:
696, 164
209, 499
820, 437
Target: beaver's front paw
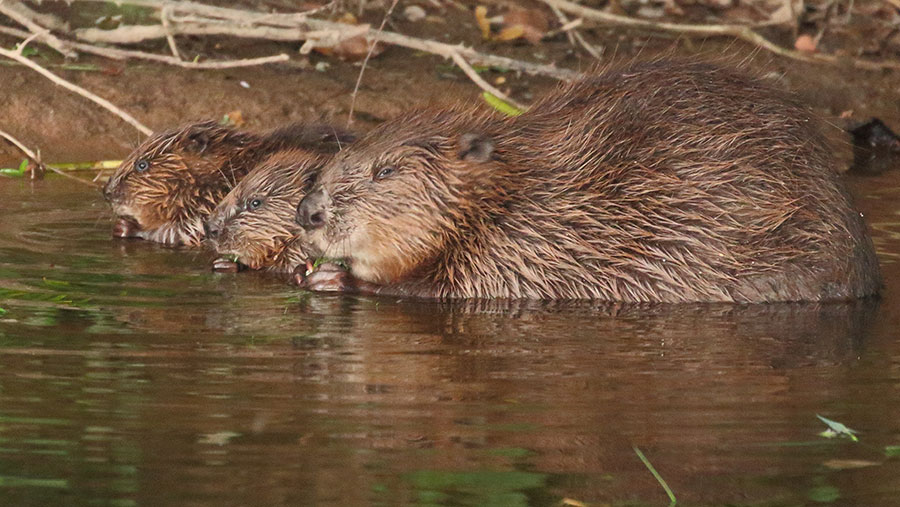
125, 228
326, 277
227, 265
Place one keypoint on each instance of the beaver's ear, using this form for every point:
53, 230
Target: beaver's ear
475, 147
198, 141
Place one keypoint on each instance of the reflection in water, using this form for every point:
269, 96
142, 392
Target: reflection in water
130, 374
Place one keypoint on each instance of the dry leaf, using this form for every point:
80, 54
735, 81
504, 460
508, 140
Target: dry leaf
671, 8
483, 23
787, 12
347, 19
235, 117
352, 49
414, 13
533, 22
805, 44
510, 33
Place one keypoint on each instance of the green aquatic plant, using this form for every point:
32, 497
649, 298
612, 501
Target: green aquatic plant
500, 105
19, 171
73, 166
659, 479
836, 429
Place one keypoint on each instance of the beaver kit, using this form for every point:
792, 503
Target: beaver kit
661, 182
254, 224
167, 187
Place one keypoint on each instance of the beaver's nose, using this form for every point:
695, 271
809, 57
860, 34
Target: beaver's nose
311, 211
211, 229
108, 190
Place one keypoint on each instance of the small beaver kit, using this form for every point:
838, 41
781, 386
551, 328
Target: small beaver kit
254, 224
166, 188
660, 182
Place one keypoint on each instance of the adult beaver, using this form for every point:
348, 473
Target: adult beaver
660, 182
167, 187
254, 224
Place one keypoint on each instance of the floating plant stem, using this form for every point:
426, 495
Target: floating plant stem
659, 479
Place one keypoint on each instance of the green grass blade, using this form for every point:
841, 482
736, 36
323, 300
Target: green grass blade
499, 105
659, 479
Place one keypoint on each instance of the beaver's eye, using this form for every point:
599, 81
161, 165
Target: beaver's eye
384, 173
141, 165
254, 203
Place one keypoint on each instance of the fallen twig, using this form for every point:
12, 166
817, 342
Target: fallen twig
164, 17
573, 34
18, 144
125, 54
45, 20
132, 34
17, 56
293, 27
23, 15
741, 32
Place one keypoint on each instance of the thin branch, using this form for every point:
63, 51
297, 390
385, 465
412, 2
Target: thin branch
14, 55
366, 61
132, 34
164, 17
36, 159
464, 65
573, 34
124, 54
20, 14
46, 20
18, 144
741, 32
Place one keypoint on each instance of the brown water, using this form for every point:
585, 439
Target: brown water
130, 374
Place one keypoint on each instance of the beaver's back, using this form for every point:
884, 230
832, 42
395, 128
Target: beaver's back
666, 182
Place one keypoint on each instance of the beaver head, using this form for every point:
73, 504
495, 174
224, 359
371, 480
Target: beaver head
389, 203
166, 187
254, 224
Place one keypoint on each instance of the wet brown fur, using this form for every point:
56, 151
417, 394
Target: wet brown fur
192, 168
267, 237
660, 182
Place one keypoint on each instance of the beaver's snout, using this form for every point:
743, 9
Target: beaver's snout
108, 190
312, 212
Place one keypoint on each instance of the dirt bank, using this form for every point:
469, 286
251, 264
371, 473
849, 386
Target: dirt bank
68, 128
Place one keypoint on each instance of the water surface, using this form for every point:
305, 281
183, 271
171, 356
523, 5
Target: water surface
132, 375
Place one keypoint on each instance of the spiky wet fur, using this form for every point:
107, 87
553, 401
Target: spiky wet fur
662, 182
191, 168
267, 237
